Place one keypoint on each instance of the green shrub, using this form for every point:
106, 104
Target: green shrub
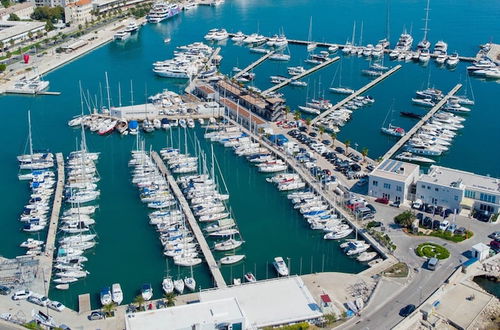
431, 250
405, 219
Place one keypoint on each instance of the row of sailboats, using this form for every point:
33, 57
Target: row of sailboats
168, 219
76, 235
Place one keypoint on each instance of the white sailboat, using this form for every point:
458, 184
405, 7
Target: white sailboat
310, 46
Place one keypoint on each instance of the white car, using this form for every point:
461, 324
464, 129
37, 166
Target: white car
417, 204
444, 225
20, 295
38, 299
57, 306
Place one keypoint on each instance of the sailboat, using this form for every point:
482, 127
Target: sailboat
340, 89
190, 282
34, 161
424, 43
310, 46
390, 129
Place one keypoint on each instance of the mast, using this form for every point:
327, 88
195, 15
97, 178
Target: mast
81, 95
119, 95
131, 93
309, 36
107, 91
29, 135
361, 35
387, 27
353, 33
426, 29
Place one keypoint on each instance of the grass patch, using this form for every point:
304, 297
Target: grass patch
298, 326
450, 237
431, 250
398, 270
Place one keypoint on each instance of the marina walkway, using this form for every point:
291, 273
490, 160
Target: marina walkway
302, 75
315, 185
424, 119
254, 64
212, 264
356, 93
47, 259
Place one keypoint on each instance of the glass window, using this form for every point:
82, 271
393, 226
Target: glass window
387, 186
398, 188
375, 183
437, 189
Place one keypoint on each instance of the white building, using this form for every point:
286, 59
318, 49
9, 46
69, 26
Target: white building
393, 179
102, 6
22, 10
50, 3
480, 251
18, 31
78, 12
455, 189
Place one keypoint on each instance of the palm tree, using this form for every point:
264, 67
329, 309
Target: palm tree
334, 137
321, 132
308, 123
297, 115
109, 309
287, 111
139, 301
170, 298
1, 46
364, 152
347, 144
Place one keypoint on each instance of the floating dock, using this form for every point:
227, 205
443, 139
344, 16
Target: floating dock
300, 76
212, 264
401, 142
356, 93
254, 64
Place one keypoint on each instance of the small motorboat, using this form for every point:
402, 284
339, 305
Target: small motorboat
228, 260
62, 286
190, 283
147, 291
106, 296
167, 40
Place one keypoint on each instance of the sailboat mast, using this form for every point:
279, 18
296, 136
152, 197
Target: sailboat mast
119, 95
107, 91
353, 32
131, 93
361, 35
426, 29
387, 20
81, 95
29, 134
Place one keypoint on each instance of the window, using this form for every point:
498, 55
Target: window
470, 194
487, 198
399, 188
375, 183
436, 189
456, 197
428, 187
387, 186
423, 186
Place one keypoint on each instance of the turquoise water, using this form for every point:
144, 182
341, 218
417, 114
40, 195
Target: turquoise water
489, 285
129, 251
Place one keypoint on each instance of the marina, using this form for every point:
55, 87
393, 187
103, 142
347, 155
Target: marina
288, 200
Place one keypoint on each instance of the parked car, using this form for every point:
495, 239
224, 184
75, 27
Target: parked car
395, 204
96, 316
382, 200
340, 150
38, 299
417, 204
407, 310
436, 224
4, 290
460, 231
22, 294
444, 225
451, 228
427, 222
57, 306
432, 263
494, 235
371, 207
420, 217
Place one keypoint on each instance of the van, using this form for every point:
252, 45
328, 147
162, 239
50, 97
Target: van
363, 211
432, 263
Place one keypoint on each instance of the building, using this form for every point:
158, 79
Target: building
456, 190
394, 180
22, 10
50, 3
78, 12
103, 6
13, 32
254, 305
268, 108
480, 251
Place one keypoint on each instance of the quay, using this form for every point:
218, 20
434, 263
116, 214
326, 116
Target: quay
212, 264
48, 257
424, 119
300, 76
20, 92
356, 93
315, 185
254, 64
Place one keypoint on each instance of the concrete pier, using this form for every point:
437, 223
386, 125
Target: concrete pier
302, 75
41, 284
355, 94
401, 142
212, 264
254, 64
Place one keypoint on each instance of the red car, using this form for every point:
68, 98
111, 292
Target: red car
382, 200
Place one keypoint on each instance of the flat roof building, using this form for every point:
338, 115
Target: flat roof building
22, 10
18, 31
393, 179
455, 189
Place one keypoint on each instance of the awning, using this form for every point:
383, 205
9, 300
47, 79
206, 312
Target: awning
325, 298
467, 203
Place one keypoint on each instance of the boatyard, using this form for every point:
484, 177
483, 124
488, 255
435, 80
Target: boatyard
262, 179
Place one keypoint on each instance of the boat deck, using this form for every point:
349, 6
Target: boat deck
302, 75
254, 64
356, 93
212, 264
424, 119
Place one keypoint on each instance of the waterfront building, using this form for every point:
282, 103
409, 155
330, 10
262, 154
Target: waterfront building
269, 108
78, 12
14, 32
254, 305
50, 3
103, 6
394, 180
22, 10
455, 190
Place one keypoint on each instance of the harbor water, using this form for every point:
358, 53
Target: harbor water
128, 250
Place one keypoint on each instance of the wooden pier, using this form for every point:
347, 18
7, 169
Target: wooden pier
401, 142
355, 94
212, 264
302, 75
254, 64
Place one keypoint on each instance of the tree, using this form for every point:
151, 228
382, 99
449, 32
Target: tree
308, 123
109, 309
13, 17
287, 111
170, 298
52, 14
80, 27
347, 144
334, 137
321, 131
405, 219
1, 46
297, 115
30, 35
49, 26
3, 67
139, 301
5, 3
364, 152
